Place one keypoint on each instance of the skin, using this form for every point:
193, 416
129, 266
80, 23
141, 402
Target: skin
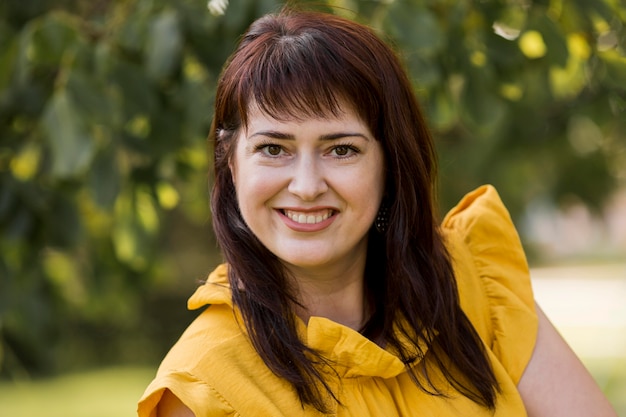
171, 406
556, 383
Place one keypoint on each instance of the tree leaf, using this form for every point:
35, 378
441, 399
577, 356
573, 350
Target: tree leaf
599, 7
91, 100
7, 197
105, 178
133, 32
63, 224
558, 52
164, 45
615, 66
20, 225
8, 54
482, 108
416, 28
137, 95
426, 71
503, 52
52, 36
442, 110
72, 147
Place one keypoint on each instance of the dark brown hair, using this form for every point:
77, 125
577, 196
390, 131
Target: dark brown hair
302, 64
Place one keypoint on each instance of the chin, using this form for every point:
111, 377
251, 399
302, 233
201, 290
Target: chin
307, 262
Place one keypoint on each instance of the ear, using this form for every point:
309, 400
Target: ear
231, 168
232, 156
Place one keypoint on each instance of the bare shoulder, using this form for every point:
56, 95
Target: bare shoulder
556, 383
171, 406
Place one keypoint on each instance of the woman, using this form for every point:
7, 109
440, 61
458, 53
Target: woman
341, 295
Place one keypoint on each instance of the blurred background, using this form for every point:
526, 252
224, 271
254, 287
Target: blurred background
105, 230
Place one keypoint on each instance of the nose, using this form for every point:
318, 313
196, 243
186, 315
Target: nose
307, 181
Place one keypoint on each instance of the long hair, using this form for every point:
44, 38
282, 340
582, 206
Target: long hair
305, 64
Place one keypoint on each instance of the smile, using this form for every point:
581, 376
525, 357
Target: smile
308, 218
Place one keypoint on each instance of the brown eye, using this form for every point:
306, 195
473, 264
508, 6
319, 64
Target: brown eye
273, 150
344, 151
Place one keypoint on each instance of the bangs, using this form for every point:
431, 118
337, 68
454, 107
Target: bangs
292, 80
301, 76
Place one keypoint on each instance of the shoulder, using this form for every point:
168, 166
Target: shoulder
171, 406
186, 379
493, 277
214, 370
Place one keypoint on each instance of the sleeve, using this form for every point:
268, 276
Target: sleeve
493, 277
195, 394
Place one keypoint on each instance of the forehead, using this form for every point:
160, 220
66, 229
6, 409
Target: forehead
343, 113
346, 120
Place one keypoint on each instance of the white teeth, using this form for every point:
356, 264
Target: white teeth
308, 218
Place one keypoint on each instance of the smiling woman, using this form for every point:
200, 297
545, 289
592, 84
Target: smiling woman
318, 311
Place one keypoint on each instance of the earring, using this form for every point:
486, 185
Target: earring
382, 218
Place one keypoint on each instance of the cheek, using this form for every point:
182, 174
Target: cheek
376, 181
375, 196
255, 186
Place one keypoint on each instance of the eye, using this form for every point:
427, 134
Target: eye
344, 151
273, 150
270, 149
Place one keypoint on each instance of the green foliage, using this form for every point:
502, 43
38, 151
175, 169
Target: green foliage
105, 107
104, 111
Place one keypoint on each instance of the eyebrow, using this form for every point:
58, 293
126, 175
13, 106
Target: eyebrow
288, 136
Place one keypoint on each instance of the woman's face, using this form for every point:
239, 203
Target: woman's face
310, 189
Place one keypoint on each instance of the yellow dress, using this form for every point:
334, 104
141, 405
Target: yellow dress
215, 371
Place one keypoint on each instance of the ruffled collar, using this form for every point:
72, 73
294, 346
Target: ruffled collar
351, 354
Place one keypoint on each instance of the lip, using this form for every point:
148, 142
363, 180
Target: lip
307, 227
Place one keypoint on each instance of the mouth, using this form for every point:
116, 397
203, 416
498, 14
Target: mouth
312, 217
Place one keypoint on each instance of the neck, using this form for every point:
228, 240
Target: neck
337, 296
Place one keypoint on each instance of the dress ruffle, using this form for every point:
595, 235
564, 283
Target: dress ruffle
483, 241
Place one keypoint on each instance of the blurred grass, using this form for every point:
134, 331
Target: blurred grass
114, 392
111, 392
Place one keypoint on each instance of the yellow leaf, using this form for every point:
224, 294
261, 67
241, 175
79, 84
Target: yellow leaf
24, 166
146, 212
478, 59
532, 45
167, 195
139, 126
578, 46
511, 91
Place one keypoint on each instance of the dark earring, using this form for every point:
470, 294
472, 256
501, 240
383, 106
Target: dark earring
382, 218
